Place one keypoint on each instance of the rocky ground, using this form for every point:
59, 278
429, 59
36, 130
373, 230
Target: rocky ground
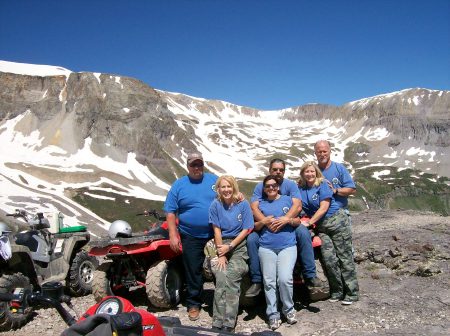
403, 271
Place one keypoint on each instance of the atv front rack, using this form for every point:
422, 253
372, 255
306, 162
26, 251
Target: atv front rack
124, 241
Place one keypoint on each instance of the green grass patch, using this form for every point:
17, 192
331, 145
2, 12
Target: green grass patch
123, 207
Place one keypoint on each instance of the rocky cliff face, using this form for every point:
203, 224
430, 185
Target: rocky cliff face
120, 115
414, 114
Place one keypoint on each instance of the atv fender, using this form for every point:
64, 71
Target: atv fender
69, 244
73, 242
21, 261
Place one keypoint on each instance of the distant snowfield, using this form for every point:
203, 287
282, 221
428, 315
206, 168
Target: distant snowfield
228, 138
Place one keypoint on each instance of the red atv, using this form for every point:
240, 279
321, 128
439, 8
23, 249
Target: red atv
138, 260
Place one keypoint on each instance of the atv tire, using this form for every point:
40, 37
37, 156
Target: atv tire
104, 282
164, 284
81, 274
9, 319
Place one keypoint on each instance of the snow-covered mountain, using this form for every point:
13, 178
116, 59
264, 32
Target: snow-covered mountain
61, 131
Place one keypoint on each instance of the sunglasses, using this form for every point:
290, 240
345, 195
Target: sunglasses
271, 186
278, 169
196, 165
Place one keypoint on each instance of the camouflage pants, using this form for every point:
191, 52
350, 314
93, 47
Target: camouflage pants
228, 287
336, 235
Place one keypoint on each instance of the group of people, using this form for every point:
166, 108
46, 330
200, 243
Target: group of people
264, 237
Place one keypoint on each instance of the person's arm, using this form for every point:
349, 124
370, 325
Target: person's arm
222, 262
266, 221
345, 191
257, 214
341, 191
293, 212
323, 208
223, 249
174, 237
260, 219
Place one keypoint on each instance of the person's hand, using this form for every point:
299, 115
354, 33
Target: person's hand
223, 249
279, 223
175, 243
305, 221
222, 263
240, 197
331, 187
267, 221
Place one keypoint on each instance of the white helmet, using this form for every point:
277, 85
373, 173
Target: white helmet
119, 228
4, 228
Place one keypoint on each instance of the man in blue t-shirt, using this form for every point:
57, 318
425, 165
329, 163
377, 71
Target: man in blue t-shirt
190, 198
305, 250
338, 177
342, 186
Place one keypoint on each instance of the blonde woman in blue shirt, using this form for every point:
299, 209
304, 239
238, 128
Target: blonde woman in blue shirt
231, 219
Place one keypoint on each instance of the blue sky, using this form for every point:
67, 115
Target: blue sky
264, 54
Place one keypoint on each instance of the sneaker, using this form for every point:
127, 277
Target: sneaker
254, 290
313, 282
274, 323
335, 298
290, 317
348, 302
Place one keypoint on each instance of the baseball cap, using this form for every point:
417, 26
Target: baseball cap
194, 157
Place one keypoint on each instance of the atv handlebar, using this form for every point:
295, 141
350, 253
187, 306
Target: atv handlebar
19, 214
153, 213
28, 298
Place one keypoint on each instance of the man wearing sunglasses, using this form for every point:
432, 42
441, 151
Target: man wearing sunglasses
190, 198
305, 250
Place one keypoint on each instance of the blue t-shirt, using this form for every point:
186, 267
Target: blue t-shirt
339, 176
191, 199
231, 220
287, 187
286, 236
311, 198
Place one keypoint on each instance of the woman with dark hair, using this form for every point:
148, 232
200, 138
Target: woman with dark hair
277, 253
232, 220
334, 230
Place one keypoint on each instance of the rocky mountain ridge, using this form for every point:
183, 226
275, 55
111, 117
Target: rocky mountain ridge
50, 120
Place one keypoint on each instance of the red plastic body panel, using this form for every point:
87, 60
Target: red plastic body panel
162, 246
150, 324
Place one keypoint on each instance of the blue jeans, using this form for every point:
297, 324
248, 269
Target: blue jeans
305, 254
277, 268
193, 258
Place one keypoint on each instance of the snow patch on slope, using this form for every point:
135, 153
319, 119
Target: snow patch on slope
33, 69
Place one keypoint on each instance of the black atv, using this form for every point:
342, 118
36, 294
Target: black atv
39, 256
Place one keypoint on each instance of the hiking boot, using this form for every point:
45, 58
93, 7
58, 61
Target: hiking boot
274, 323
313, 282
254, 290
290, 317
193, 313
